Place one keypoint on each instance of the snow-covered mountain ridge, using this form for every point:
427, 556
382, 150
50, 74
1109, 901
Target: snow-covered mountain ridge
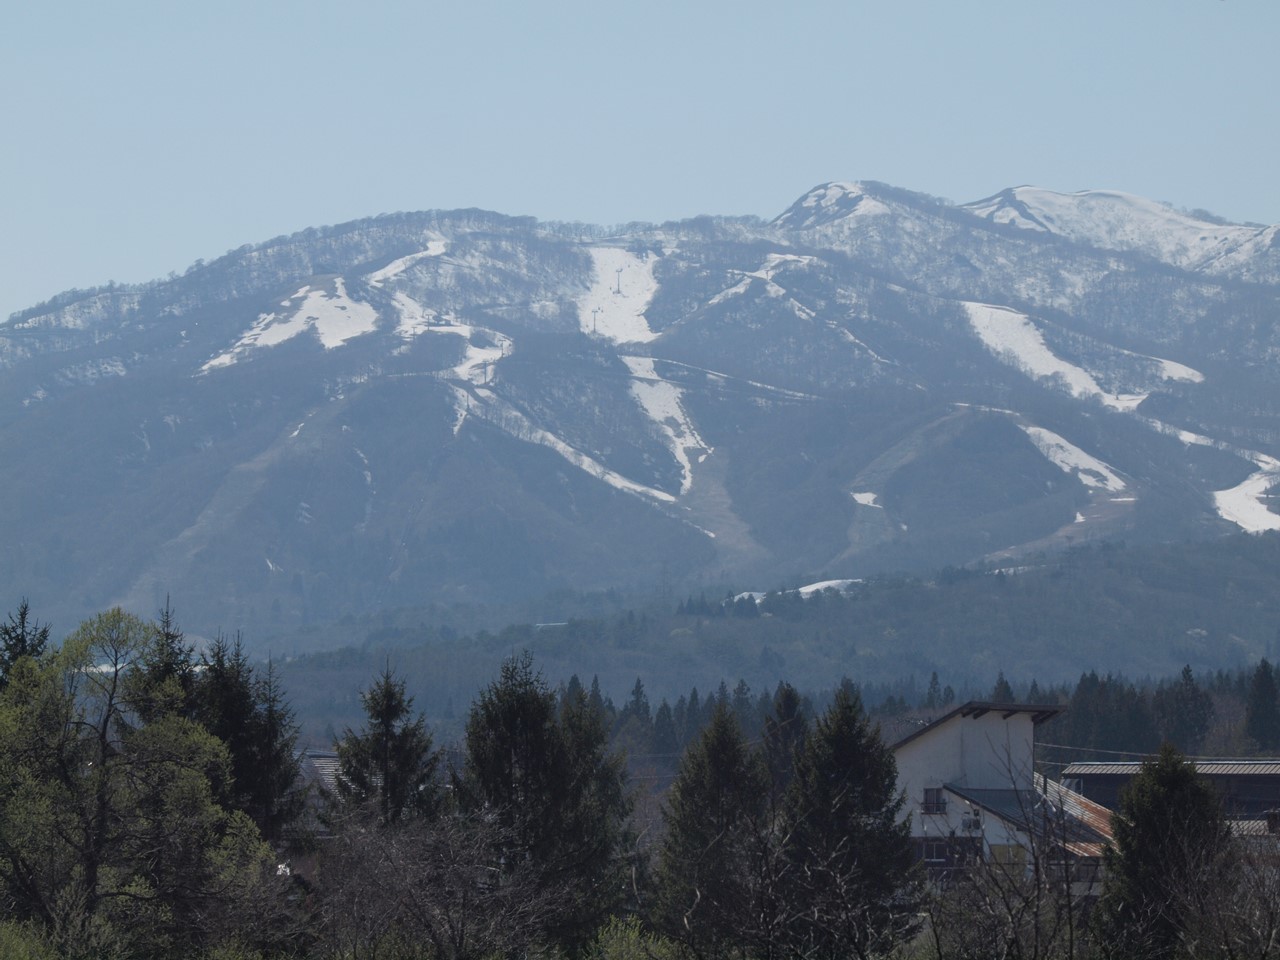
461, 405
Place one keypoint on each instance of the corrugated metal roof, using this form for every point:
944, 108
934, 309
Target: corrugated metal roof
1208, 768
1050, 811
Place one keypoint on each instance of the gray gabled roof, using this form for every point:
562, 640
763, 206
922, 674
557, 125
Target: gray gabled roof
1040, 712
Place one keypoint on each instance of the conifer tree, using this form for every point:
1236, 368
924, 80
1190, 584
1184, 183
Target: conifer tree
548, 778
20, 637
1003, 691
389, 766
1168, 829
854, 887
1262, 710
706, 895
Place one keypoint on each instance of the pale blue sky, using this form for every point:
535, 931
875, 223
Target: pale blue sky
138, 137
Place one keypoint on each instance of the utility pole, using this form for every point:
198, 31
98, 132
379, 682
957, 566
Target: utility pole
618, 291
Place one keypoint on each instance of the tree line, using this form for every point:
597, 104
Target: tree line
151, 807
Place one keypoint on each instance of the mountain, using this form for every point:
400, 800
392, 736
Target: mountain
462, 406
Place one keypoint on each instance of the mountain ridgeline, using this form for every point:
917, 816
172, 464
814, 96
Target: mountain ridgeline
463, 407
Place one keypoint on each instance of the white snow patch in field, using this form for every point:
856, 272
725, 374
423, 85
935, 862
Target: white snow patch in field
333, 317
661, 401
866, 499
621, 290
1069, 458
1012, 336
396, 267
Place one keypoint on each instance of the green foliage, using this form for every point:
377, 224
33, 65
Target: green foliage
1168, 832
110, 831
706, 897
24, 942
390, 766
20, 637
854, 884
546, 774
626, 939
1262, 709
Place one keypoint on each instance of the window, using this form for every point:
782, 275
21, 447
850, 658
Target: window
934, 801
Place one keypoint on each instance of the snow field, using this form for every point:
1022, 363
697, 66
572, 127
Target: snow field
621, 290
396, 267
1011, 335
661, 401
332, 316
1069, 458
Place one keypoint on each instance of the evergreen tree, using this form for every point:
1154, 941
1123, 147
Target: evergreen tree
1002, 692
547, 777
224, 705
1167, 830
111, 832
933, 698
708, 860
164, 675
855, 890
744, 709
1262, 710
389, 766
274, 801
20, 637
1184, 711
665, 742
785, 731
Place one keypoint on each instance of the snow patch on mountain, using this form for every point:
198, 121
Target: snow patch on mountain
1243, 504
1069, 458
1012, 337
330, 314
829, 202
867, 499
622, 287
1121, 221
482, 349
434, 248
661, 400
493, 409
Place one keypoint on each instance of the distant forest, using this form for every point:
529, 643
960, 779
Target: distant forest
1137, 612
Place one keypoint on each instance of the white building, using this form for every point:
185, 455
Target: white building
972, 791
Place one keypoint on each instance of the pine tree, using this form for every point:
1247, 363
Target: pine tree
389, 767
1003, 691
1262, 711
1167, 830
933, 698
548, 778
785, 731
1184, 711
665, 742
854, 887
707, 863
20, 637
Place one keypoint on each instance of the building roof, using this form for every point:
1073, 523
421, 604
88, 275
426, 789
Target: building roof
1051, 811
1226, 767
1040, 712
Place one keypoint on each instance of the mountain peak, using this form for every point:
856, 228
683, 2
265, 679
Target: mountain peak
1115, 220
828, 202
